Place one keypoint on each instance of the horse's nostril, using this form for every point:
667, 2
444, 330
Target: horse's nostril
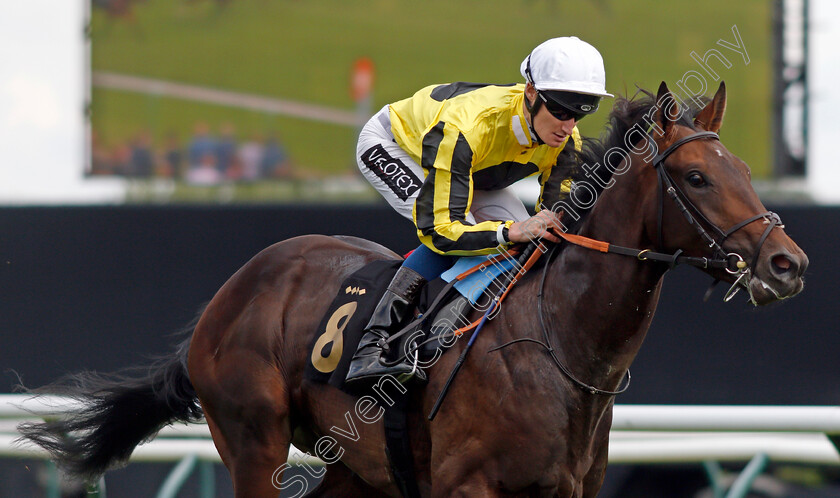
781, 264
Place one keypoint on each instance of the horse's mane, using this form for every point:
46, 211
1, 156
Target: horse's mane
627, 113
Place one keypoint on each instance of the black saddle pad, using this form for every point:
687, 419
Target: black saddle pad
341, 327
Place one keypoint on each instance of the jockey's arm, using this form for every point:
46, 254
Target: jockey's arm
440, 212
443, 204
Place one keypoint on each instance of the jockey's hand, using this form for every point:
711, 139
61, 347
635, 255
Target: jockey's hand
540, 226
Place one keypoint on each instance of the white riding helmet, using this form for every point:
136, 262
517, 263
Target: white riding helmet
568, 75
566, 64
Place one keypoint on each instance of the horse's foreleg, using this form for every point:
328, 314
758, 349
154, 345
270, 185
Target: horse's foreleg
594, 479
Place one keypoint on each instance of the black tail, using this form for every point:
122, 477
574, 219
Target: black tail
119, 412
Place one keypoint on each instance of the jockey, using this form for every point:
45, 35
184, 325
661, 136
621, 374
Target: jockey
444, 158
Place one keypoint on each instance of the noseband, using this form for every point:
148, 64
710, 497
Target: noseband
732, 262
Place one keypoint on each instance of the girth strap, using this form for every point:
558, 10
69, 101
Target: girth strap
398, 447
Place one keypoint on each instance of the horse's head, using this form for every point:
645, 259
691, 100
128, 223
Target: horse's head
712, 194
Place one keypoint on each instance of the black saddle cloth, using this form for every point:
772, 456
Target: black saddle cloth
342, 326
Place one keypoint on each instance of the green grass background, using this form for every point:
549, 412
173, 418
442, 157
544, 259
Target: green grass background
304, 50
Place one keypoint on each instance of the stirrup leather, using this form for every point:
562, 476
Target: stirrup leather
390, 313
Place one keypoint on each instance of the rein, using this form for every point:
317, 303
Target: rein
591, 244
582, 385
732, 263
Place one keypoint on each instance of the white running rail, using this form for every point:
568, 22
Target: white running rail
640, 433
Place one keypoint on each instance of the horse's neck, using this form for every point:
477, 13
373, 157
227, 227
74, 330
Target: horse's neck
604, 303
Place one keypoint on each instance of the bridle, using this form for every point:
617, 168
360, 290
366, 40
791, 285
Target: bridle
732, 262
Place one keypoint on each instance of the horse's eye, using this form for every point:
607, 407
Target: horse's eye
695, 179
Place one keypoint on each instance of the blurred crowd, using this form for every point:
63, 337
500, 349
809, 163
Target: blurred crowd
207, 158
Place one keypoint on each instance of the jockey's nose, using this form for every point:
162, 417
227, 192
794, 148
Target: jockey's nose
568, 126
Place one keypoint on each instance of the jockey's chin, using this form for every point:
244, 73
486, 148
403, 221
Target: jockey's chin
555, 140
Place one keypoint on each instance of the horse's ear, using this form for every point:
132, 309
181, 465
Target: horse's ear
711, 117
667, 109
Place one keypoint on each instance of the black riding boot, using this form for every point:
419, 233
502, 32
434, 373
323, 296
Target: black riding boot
390, 313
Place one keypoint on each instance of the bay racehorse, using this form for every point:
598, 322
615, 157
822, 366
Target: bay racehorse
528, 419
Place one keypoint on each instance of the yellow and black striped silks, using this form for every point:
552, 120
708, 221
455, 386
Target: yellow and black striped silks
469, 136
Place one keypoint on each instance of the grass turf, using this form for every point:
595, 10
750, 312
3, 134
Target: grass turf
303, 50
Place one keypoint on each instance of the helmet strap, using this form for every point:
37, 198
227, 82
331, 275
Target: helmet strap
534, 107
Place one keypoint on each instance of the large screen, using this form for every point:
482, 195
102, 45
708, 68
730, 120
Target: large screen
258, 100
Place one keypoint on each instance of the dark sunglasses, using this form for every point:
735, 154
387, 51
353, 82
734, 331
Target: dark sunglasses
559, 111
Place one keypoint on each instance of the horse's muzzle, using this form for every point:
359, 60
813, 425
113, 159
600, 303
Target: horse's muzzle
779, 276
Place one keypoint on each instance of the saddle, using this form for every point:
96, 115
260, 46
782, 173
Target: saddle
439, 311
440, 317
477, 283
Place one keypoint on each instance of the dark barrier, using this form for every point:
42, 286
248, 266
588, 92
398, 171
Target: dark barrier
104, 287
735, 353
